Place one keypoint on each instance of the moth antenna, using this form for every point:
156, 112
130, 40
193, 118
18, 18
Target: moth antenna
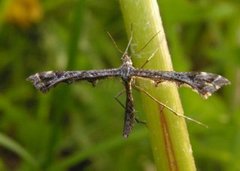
145, 63
129, 42
114, 42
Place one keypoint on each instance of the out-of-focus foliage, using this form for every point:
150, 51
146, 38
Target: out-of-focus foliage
23, 12
78, 127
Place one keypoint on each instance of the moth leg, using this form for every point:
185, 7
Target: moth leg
140, 121
121, 104
167, 107
117, 98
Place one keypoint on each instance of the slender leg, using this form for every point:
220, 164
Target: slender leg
121, 104
167, 107
140, 121
118, 95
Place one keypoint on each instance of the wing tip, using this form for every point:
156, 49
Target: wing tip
209, 87
37, 82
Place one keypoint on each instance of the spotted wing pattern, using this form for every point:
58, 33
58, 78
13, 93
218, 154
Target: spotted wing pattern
204, 83
43, 81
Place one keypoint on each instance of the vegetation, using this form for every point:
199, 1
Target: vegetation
79, 127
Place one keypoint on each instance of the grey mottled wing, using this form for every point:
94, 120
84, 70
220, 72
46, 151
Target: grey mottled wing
43, 81
204, 83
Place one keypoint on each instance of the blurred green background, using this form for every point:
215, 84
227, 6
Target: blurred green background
79, 127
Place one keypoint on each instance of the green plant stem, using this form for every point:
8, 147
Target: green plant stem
168, 132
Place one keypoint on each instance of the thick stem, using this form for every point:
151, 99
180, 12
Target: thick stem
169, 137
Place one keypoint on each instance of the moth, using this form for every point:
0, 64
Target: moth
202, 82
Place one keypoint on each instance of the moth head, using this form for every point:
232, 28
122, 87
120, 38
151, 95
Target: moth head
126, 59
